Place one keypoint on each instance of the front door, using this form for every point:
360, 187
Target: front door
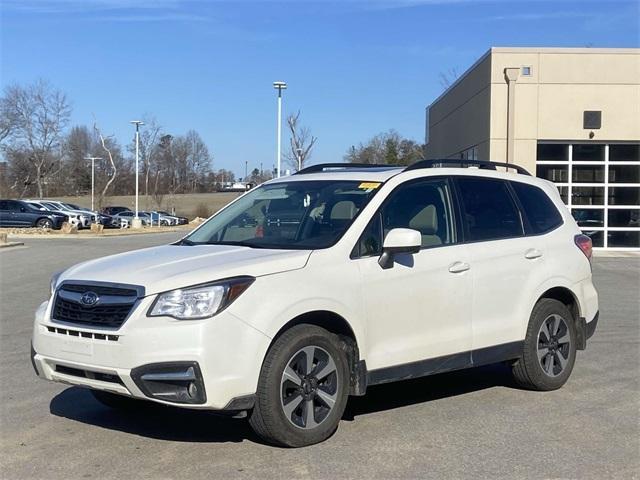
419, 310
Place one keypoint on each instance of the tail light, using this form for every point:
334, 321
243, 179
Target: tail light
583, 242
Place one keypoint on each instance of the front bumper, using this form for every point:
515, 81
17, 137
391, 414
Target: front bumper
226, 351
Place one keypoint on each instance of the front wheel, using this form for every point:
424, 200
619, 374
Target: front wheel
303, 387
549, 347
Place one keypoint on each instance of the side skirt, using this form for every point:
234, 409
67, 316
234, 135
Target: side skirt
446, 363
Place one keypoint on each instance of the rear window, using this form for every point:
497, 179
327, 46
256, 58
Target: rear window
542, 214
489, 210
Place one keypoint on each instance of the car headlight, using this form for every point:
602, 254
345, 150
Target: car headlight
200, 301
54, 282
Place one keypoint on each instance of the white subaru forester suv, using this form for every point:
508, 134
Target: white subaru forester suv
312, 287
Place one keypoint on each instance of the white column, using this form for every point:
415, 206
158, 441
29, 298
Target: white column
279, 131
605, 240
137, 153
93, 160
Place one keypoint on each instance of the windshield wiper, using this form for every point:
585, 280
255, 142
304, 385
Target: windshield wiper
185, 241
236, 244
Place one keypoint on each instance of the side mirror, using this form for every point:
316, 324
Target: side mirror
22, 209
399, 240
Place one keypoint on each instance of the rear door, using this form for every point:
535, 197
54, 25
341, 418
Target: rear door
507, 265
18, 214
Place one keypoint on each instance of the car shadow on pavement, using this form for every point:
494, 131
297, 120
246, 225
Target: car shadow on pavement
151, 419
176, 424
426, 389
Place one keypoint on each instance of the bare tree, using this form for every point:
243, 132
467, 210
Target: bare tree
149, 146
300, 142
104, 142
36, 116
448, 78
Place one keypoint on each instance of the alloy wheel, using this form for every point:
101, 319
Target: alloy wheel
554, 345
309, 387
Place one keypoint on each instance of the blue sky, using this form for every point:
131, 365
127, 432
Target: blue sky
354, 67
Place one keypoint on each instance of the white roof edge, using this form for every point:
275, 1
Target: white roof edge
632, 51
492, 50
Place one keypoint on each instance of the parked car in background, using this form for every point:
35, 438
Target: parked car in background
114, 210
18, 213
129, 215
158, 218
181, 220
75, 208
85, 217
75, 219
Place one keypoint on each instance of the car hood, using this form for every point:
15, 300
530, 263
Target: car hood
167, 267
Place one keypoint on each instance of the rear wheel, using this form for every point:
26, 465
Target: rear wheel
44, 223
302, 390
549, 348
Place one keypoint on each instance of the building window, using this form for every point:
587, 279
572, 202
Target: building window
526, 71
469, 154
600, 184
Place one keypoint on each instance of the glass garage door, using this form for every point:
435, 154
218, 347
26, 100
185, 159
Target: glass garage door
600, 183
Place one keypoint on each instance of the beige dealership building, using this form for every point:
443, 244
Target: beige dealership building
570, 115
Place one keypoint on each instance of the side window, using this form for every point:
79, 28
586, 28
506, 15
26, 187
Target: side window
424, 206
370, 242
4, 205
13, 206
542, 214
489, 210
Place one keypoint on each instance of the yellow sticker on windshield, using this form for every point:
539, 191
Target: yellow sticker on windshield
368, 185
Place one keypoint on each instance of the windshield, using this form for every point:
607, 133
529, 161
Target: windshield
291, 215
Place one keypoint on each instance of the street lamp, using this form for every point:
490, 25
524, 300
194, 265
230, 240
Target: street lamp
93, 169
136, 220
279, 86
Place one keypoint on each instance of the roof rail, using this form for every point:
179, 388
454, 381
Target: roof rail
462, 163
321, 167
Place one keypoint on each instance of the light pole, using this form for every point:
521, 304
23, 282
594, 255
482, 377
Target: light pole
136, 220
93, 176
279, 86
299, 152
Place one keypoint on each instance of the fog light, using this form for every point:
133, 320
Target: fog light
193, 390
176, 382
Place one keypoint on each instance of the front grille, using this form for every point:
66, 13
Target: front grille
79, 334
110, 311
99, 289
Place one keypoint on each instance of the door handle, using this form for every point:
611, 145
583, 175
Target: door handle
532, 254
459, 267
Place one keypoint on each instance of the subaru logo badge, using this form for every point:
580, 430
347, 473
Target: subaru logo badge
89, 299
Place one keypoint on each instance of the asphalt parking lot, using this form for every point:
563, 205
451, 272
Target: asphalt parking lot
466, 424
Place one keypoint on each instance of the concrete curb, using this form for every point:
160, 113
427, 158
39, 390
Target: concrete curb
11, 244
80, 236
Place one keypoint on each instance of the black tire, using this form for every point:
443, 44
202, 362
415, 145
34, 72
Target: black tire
115, 401
44, 223
268, 418
546, 364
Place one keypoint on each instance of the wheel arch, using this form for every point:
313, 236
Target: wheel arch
565, 296
338, 325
